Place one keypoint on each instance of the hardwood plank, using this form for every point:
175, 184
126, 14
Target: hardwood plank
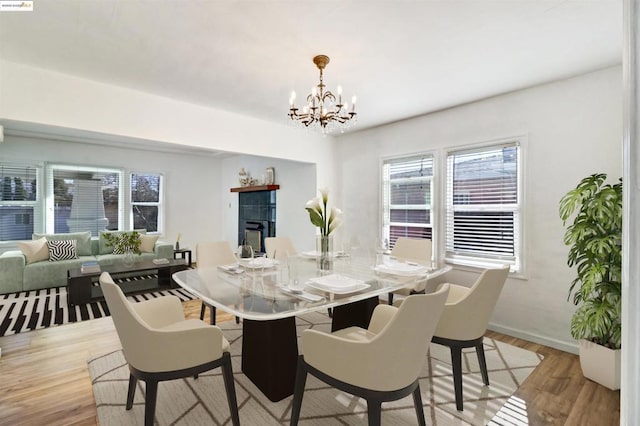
44, 378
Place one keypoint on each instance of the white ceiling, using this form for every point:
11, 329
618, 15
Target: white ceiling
402, 58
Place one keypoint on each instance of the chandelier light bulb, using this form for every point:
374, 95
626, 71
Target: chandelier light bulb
292, 98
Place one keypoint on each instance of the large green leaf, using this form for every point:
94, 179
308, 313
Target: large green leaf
316, 217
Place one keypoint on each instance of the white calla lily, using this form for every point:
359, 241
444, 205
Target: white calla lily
319, 214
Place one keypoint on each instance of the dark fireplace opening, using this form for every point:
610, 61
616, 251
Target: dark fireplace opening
253, 235
256, 218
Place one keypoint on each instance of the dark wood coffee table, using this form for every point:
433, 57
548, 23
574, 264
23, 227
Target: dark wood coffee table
81, 290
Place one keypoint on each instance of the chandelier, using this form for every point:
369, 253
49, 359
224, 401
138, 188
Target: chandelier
323, 110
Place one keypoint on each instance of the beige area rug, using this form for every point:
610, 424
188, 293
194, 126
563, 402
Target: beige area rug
203, 401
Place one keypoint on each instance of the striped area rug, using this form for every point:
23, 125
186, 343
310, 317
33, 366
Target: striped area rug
32, 310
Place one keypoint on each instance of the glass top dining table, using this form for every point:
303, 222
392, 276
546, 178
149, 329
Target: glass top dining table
260, 292
263, 289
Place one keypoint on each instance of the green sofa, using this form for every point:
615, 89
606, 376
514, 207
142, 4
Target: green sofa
17, 275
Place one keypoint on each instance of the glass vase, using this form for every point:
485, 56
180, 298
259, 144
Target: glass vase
324, 249
129, 258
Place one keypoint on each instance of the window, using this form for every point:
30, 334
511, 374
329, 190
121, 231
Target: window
20, 208
84, 199
146, 201
483, 194
407, 198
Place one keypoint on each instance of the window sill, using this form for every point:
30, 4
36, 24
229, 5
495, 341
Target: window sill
473, 265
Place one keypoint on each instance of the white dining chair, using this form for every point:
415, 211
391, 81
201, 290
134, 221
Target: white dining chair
279, 248
379, 364
159, 344
210, 254
464, 321
418, 250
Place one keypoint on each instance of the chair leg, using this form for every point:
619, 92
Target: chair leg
237, 320
298, 392
150, 402
417, 401
390, 296
374, 412
483, 363
131, 393
229, 385
456, 364
202, 309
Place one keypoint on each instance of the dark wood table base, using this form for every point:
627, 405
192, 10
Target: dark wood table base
269, 355
270, 348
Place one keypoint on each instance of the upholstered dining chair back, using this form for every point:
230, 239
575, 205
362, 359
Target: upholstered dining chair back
468, 310
379, 364
465, 319
141, 343
159, 344
130, 327
214, 253
395, 353
210, 254
279, 248
414, 249
417, 250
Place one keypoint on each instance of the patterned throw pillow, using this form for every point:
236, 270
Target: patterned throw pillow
122, 244
62, 250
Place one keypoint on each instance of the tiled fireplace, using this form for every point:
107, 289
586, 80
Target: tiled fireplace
256, 217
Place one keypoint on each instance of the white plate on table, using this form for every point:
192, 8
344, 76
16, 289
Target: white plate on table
314, 254
298, 292
407, 269
338, 284
259, 263
233, 268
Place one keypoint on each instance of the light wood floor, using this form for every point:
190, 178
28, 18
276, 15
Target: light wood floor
44, 379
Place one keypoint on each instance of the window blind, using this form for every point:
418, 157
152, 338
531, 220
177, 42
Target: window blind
483, 208
20, 216
84, 199
407, 198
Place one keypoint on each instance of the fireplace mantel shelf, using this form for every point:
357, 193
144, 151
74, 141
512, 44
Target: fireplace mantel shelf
255, 188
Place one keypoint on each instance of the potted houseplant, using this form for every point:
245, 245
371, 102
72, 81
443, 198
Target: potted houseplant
595, 240
127, 243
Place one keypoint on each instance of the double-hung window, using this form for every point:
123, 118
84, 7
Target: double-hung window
483, 205
407, 198
83, 198
146, 201
20, 207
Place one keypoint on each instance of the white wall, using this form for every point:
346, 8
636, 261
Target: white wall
34, 95
192, 182
52, 102
297, 182
573, 127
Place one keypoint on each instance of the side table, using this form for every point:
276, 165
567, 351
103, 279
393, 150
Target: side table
184, 253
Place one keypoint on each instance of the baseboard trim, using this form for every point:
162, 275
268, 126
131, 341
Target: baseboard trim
535, 338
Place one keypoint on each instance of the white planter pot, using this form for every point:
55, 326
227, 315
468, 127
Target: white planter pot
600, 364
